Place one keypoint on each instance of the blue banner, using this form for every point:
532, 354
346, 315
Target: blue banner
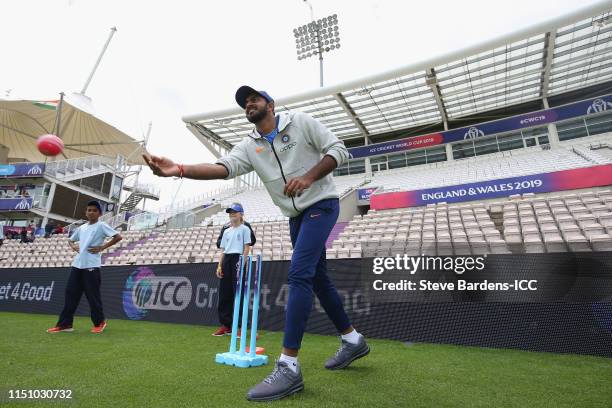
365, 193
15, 204
22, 170
584, 177
569, 111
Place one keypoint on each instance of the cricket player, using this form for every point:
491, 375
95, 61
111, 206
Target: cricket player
294, 155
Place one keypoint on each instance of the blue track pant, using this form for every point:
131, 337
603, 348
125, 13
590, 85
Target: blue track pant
308, 271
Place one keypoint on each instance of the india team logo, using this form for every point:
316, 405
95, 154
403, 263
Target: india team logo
473, 133
599, 105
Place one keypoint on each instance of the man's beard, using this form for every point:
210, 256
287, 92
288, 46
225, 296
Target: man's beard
257, 116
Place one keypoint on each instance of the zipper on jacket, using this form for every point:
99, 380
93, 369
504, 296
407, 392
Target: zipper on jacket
282, 172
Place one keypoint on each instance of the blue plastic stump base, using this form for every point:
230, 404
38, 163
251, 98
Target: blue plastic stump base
242, 361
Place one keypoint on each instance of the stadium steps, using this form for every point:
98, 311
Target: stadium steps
138, 192
131, 202
129, 247
333, 235
497, 216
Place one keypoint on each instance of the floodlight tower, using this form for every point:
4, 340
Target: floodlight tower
317, 37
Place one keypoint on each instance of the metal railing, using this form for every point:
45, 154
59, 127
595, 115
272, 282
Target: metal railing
109, 218
149, 220
114, 220
193, 202
143, 221
600, 145
354, 187
148, 189
62, 168
182, 220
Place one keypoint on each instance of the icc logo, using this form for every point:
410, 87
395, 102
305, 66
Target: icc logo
473, 133
599, 105
35, 170
144, 291
23, 205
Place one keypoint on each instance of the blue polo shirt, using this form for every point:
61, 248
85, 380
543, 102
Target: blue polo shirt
235, 238
88, 235
270, 136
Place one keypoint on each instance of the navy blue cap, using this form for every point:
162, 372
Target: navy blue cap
235, 207
244, 91
96, 204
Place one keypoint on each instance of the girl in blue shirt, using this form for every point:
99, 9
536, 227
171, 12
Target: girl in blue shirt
235, 241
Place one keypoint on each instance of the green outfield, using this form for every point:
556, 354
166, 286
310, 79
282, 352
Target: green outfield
145, 364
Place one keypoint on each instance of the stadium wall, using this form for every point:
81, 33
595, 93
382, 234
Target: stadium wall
571, 312
348, 207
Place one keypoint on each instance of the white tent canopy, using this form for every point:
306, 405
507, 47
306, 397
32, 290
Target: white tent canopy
83, 133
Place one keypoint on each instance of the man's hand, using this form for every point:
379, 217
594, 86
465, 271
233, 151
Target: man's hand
161, 166
75, 247
95, 249
296, 186
219, 272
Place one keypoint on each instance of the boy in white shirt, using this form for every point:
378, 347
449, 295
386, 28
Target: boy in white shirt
88, 241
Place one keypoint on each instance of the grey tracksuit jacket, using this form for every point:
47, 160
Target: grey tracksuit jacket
301, 143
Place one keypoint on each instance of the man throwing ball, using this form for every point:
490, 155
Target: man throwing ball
294, 155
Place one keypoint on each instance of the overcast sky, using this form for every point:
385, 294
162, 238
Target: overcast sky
171, 58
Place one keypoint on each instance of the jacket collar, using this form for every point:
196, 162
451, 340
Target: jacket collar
284, 120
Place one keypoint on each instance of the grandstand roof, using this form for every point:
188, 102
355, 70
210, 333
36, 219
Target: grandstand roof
83, 133
566, 53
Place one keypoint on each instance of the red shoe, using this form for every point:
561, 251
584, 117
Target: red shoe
99, 328
222, 331
249, 335
57, 329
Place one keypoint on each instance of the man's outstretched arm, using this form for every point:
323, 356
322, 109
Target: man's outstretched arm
164, 167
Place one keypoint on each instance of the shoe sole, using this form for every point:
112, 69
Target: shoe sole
348, 362
60, 331
98, 332
292, 390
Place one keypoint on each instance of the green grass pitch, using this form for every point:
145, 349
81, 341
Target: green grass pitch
146, 364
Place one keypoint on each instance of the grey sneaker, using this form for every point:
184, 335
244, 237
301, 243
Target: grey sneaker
347, 353
281, 383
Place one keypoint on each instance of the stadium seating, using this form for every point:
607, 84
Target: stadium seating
531, 223
259, 207
257, 204
572, 220
54, 251
511, 163
198, 244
